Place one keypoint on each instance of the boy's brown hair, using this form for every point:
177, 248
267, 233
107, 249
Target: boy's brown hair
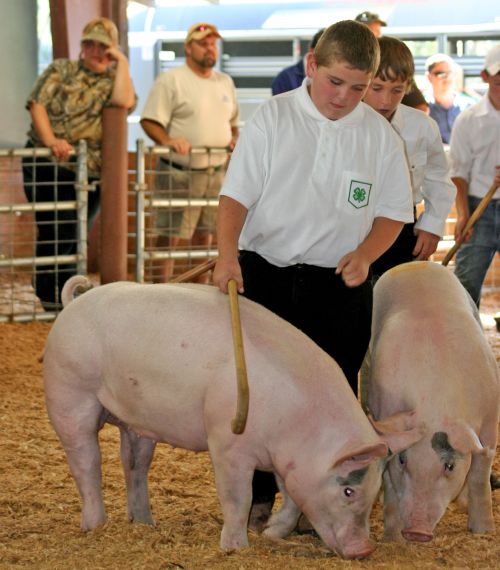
349, 42
396, 61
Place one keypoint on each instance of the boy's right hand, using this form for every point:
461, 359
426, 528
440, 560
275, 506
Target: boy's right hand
354, 268
224, 271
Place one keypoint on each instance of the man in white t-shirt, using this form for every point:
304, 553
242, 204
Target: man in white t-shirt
189, 107
316, 190
475, 166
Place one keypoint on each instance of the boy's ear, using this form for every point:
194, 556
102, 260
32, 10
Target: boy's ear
311, 65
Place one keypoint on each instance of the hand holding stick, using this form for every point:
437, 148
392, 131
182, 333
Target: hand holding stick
476, 214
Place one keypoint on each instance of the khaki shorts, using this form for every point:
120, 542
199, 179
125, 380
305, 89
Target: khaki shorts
175, 183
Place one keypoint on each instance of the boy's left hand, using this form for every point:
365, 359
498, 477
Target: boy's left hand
354, 268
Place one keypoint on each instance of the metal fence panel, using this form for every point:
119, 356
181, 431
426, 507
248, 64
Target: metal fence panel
42, 232
176, 210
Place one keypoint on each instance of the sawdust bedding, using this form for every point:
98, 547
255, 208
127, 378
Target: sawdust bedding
40, 507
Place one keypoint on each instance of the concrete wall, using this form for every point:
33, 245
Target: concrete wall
18, 68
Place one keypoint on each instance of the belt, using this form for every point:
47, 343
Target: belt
208, 169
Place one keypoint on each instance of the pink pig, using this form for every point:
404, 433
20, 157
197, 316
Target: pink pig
429, 354
157, 360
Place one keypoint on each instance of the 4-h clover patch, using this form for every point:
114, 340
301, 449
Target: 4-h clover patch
359, 193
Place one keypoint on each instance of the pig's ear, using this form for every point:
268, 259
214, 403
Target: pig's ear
401, 440
463, 438
361, 454
401, 421
400, 431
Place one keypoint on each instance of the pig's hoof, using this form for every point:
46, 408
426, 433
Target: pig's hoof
259, 515
231, 542
393, 536
482, 528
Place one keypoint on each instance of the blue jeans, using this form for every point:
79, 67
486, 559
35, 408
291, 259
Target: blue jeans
475, 256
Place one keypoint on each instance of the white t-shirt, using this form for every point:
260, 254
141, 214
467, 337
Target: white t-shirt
202, 110
428, 167
475, 147
313, 186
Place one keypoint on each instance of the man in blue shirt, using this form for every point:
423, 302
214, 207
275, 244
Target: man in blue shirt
291, 77
446, 103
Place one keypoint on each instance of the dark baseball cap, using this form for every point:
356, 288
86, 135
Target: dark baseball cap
369, 18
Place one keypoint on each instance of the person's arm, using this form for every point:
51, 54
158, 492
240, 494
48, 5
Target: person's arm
462, 206
235, 132
231, 216
354, 266
123, 94
159, 135
438, 193
61, 148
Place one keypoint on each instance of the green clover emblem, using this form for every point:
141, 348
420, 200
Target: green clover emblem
359, 194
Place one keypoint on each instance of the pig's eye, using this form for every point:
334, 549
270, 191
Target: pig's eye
402, 458
449, 467
348, 492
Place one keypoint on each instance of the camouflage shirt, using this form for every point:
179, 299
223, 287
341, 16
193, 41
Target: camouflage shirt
74, 98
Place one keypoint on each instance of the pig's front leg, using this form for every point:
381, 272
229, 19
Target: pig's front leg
479, 494
392, 519
136, 454
285, 519
233, 479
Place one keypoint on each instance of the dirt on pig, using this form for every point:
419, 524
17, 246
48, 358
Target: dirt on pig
40, 507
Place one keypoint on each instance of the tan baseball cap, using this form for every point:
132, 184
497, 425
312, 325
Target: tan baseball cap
369, 18
492, 62
201, 31
101, 30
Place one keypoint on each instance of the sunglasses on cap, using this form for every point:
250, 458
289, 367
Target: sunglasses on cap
442, 74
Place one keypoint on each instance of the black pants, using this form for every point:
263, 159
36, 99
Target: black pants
315, 300
401, 251
45, 181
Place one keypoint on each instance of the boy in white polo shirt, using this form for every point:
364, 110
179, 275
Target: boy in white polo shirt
424, 152
317, 188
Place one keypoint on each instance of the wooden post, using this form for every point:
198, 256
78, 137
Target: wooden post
114, 187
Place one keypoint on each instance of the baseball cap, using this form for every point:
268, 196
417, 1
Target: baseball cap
201, 31
369, 17
101, 30
492, 61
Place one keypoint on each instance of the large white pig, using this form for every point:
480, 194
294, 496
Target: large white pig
429, 354
157, 360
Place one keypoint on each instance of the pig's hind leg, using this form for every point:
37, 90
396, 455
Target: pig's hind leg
77, 416
136, 454
285, 519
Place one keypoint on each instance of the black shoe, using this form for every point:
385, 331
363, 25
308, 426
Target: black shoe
494, 481
51, 306
259, 515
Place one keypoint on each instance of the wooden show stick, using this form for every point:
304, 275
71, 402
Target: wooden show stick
194, 272
239, 421
476, 214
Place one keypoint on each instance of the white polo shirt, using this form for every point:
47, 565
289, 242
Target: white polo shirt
428, 167
313, 186
200, 109
475, 147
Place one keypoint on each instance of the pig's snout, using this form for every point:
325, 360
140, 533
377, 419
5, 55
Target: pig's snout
359, 552
417, 535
